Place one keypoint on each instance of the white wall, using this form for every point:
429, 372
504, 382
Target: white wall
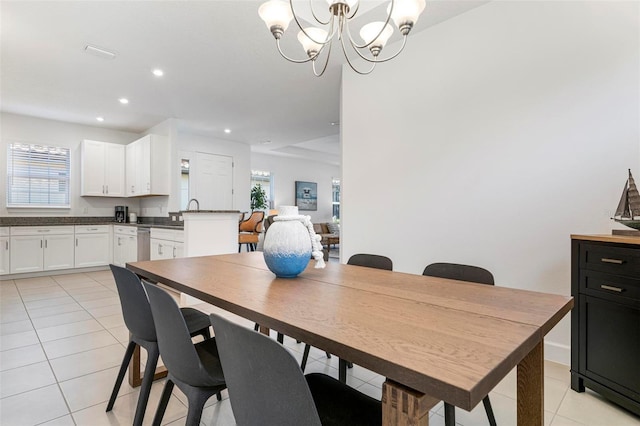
285, 171
497, 135
20, 128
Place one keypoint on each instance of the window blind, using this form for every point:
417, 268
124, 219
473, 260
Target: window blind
37, 176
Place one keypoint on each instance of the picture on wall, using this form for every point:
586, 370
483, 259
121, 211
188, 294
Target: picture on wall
307, 195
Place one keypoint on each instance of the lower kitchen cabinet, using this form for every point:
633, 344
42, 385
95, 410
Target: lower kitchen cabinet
5, 254
36, 249
125, 245
92, 246
166, 243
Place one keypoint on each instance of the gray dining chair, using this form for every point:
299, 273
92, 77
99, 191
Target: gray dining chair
474, 274
142, 332
195, 369
267, 387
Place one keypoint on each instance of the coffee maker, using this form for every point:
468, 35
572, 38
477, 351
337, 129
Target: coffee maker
122, 214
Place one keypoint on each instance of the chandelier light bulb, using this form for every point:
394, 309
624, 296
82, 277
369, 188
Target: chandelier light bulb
371, 30
277, 15
405, 13
312, 47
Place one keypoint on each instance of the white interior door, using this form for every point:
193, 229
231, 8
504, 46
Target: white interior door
213, 181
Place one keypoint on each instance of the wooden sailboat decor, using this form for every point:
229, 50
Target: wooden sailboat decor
628, 211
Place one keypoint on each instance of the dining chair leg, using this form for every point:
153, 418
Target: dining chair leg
196, 405
342, 370
219, 396
162, 405
328, 355
123, 369
487, 407
147, 380
256, 327
280, 338
305, 357
449, 415
239, 248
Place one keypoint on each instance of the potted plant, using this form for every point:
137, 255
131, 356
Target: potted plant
258, 198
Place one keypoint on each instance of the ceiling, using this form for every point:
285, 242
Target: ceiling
221, 66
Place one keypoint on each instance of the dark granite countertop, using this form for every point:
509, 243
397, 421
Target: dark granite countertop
164, 223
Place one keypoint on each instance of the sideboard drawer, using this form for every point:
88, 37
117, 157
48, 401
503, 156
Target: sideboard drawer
599, 284
614, 260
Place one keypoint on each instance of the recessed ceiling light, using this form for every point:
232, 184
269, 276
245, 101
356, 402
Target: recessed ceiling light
100, 119
158, 72
227, 130
124, 101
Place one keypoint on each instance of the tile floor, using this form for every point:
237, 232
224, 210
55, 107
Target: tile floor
62, 339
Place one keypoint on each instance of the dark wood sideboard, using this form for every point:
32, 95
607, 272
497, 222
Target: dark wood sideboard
605, 322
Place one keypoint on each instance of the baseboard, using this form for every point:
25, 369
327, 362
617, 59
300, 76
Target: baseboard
557, 352
55, 272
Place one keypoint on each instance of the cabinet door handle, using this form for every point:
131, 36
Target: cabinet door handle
76, 242
614, 261
103, 189
6, 243
174, 252
43, 230
119, 243
611, 288
160, 249
132, 189
45, 243
40, 243
107, 186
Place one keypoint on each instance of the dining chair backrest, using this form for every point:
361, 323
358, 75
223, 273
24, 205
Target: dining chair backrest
371, 261
253, 223
266, 385
459, 272
176, 348
136, 310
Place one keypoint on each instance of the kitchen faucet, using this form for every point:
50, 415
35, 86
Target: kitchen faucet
197, 204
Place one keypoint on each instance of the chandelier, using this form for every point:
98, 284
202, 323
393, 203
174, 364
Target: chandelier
277, 14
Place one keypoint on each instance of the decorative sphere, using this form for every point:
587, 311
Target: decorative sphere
287, 247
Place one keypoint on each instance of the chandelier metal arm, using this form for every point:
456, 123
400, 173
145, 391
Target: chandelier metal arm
354, 11
344, 50
295, 17
326, 62
356, 45
376, 60
296, 61
315, 16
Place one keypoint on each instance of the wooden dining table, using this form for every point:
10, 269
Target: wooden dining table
432, 338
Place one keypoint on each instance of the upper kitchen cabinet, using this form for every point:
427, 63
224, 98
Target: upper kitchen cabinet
148, 166
102, 169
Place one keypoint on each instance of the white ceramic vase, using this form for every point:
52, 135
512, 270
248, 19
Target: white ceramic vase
287, 244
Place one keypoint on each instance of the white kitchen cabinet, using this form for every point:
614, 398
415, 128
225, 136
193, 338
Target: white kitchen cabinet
37, 248
167, 243
125, 245
148, 166
92, 246
4, 251
102, 169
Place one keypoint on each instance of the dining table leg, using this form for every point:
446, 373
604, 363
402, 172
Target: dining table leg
135, 374
403, 406
531, 387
